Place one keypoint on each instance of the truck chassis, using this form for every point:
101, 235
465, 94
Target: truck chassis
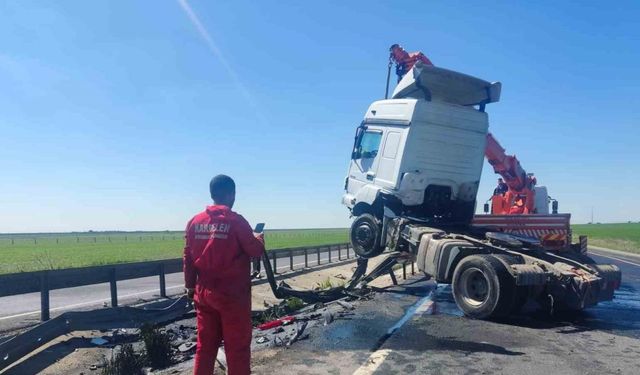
494, 274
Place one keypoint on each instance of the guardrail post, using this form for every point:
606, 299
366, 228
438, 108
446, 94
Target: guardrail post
114, 288
291, 260
347, 251
318, 253
163, 282
275, 265
306, 258
329, 247
44, 296
404, 271
412, 270
339, 253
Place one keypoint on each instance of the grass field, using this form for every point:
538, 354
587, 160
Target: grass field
621, 236
32, 252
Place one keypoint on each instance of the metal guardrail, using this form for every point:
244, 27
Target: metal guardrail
45, 281
18, 346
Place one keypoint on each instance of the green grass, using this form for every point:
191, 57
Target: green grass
622, 236
33, 252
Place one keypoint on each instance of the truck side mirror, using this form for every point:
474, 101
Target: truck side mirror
486, 208
554, 207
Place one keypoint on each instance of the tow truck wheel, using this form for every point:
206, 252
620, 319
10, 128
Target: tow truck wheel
483, 287
365, 236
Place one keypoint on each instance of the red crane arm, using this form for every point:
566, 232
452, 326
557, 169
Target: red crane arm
505, 165
520, 197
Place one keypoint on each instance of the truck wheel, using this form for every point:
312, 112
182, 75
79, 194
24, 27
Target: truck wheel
365, 236
483, 287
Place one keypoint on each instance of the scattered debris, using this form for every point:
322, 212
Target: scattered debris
345, 304
328, 317
187, 346
99, 341
340, 276
261, 340
300, 327
311, 316
277, 341
276, 323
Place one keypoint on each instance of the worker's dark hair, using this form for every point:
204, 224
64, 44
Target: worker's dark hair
221, 186
394, 46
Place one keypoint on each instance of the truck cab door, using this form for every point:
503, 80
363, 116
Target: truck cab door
364, 158
386, 171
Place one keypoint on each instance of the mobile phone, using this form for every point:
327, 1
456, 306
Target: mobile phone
259, 228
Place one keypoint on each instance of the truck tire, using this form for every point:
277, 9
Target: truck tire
483, 287
365, 236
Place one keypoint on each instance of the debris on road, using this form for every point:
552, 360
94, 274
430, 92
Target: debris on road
276, 323
187, 346
345, 304
99, 341
262, 340
328, 317
300, 327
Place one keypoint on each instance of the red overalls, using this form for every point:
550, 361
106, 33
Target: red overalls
219, 244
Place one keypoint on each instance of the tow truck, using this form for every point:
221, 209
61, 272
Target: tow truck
412, 183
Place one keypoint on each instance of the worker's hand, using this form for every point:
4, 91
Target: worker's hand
259, 236
190, 292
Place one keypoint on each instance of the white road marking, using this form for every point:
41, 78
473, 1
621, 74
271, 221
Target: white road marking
618, 259
377, 358
97, 302
374, 361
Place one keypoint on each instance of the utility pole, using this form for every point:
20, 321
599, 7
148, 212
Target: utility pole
591, 214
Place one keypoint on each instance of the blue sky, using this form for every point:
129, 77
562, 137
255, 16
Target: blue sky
114, 115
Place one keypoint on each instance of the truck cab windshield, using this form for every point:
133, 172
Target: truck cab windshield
368, 146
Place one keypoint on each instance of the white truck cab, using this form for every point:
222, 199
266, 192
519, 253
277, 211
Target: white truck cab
420, 153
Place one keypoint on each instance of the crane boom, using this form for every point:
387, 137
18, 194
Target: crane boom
520, 197
507, 166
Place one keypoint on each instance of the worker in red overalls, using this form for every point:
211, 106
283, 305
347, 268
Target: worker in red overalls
406, 60
219, 245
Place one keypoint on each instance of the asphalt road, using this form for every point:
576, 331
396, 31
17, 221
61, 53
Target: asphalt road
416, 328
22, 310
420, 330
